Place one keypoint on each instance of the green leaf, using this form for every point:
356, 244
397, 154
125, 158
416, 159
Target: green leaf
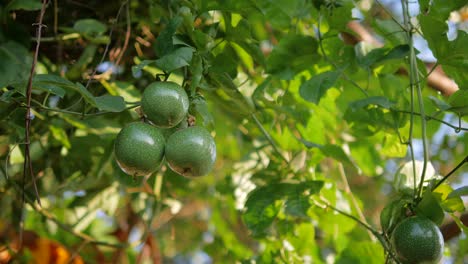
202, 108
297, 205
177, 59
459, 102
52, 83
452, 55
462, 191
392, 214
262, 207
339, 17
15, 63
261, 210
86, 57
442, 105
391, 30
254, 50
28, 5
110, 103
335, 152
362, 253
234, 6
90, 26
373, 100
226, 62
368, 116
449, 204
430, 207
392, 147
458, 74
380, 55
203, 42
315, 88
196, 68
60, 135
398, 52
240, 32
137, 68
85, 93
329, 150
440, 8
293, 54
164, 42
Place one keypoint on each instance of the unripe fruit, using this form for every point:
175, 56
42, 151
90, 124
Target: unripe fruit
165, 104
417, 240
139, 149
191, 151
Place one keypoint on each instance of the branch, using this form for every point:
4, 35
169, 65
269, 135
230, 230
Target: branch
27, 165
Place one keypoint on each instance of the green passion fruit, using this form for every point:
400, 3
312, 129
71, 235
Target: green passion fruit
191, 151
139, 149
418, 240
165, 104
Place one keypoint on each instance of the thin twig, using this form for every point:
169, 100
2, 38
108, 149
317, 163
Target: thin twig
348, 191
456, 128
58, 110
465, 160
268, 137
391, 15
106, 49
27, 165
127, 34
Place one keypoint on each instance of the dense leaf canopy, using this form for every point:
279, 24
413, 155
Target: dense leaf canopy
334, 120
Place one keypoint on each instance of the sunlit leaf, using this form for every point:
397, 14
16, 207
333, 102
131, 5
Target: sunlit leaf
462, 191
90, 27
176, 59
315, 88
293, 54
262, 207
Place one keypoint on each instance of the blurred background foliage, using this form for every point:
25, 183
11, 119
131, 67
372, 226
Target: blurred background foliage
304, 112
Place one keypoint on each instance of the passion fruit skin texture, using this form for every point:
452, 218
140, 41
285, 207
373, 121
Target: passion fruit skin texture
139, 149
191, 152
165, 104
418, 240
